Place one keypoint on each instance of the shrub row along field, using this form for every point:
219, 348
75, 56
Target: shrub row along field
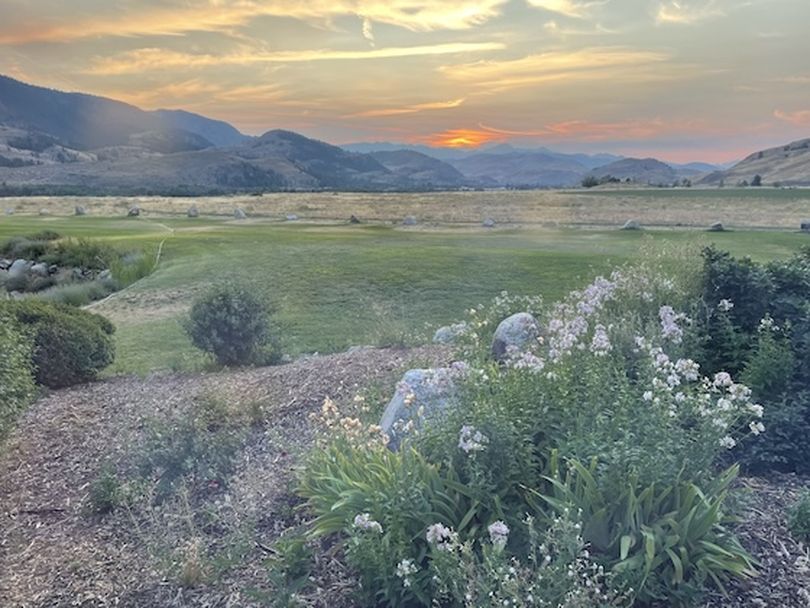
338, 285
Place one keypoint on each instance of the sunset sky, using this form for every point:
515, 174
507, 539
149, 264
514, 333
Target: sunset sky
681, 80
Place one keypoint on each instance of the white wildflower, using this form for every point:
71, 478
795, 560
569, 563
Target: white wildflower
363, 521
725, 305
498, 533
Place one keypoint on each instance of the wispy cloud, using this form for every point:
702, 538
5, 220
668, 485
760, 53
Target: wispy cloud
411, 109
154, 59
800, 118
569, 8
182, 16
556, 65
686, 12
368, 30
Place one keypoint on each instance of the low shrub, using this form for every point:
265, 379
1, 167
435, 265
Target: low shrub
799, 517
231, 323
79, 293
70, 345
16, 373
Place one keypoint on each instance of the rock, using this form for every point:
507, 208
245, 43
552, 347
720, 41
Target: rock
291, 217
239, 214
53, 269
19, 268
409, 221
631, 225
805, 225
353, 220
134, 211
44, 212
193, 212
516, 332
79, 210
41, 270
449, 334
717, 227
5, 264
359, 348
9, 211
105, 274
421, 395
488, 223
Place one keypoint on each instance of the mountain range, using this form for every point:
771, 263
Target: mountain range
52, 142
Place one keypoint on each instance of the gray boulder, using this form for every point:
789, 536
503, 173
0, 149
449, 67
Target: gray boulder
354, 220
239, 214
193, 212
134, 211
717, 227
291, 217
105, 274
421, 395
449, 334
19, 268
44, 212
805, 225
79, 210
488, 223
41, 270
5, 264
409, 221
515, 333
9, 211
631, 225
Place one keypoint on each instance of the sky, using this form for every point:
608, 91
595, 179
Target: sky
680, 80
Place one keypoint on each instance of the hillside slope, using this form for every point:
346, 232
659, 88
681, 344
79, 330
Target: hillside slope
788, 165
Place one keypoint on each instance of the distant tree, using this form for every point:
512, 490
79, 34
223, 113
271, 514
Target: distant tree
589, 181
757, 181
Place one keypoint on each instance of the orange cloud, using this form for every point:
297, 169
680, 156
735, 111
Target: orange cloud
800, 118
412, 109
152, 59
179, 17
461, 138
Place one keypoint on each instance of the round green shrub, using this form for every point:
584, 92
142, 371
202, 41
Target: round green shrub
232, 324
16, 375
70, 345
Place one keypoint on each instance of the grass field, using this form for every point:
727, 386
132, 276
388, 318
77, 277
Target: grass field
336, 285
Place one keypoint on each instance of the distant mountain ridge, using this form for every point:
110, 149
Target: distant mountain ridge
787, 165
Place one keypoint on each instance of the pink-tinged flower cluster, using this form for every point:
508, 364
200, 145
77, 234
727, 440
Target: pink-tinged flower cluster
498, 534
600, 343
526, 360
670, 330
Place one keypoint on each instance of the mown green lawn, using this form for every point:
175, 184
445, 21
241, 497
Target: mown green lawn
337, 285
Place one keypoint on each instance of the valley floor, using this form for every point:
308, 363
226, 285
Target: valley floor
54, 553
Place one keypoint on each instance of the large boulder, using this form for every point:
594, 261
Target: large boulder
134, 211
488, 223
193, 212
805, 225
717, 227
515, 334
449, 334
9, 211
291, 217
44, 211
409, 221
354, 220
239, 214
19, 268
40, 270
79, 210
421, 395
631, 225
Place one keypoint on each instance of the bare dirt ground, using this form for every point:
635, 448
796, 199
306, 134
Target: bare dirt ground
55, 554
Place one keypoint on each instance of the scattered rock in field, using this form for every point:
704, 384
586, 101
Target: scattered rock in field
239, 214
631, 225
134, 211
409, 221
717, 227
805, 225
9, 211
354, 220
449, 334
44, 212
5, 264
79, 210
53, 269
291, 217
193, 212
40, 270
488, 223
517, 332
359, 347
19, 268
422, 394
105, 274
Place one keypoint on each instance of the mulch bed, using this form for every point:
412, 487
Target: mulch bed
54, 554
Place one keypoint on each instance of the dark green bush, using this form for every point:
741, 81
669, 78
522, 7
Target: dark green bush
232, 324
799, 517
16, 374
70, 345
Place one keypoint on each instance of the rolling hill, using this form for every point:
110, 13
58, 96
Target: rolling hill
788, 165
